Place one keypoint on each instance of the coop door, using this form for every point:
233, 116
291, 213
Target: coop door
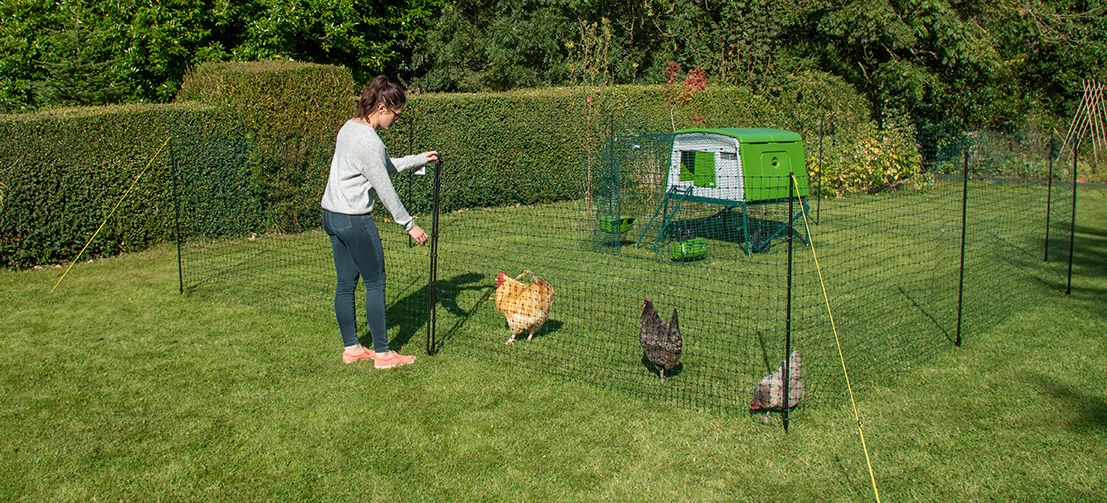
776, 164
697, 167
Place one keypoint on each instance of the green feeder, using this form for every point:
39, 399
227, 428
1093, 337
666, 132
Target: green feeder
616, 224
689, 249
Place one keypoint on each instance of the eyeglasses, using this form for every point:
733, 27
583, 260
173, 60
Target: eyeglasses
396, 114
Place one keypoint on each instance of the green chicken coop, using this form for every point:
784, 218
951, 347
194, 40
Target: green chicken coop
741, 169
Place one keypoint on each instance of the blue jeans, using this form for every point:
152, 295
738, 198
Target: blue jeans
358, 253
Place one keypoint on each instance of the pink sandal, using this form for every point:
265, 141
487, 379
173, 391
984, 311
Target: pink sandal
393, 359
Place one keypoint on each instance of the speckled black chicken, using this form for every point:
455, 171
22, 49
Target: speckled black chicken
661, 341
769, 392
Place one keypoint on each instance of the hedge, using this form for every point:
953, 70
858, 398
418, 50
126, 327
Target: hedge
276, 100
63, 172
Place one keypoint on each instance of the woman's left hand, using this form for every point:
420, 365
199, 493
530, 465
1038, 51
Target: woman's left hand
431, 156
418, 235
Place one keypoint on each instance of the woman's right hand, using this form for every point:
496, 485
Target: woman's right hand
418, 235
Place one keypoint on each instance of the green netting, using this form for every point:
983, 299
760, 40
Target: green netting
890, 261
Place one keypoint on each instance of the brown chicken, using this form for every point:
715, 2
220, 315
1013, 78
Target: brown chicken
661, 341
526, 306
769, 392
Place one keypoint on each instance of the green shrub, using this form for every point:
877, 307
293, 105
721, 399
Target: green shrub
865, 158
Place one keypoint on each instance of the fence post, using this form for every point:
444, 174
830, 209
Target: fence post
432, 285
788, 308
176, 211
822, 171
410, 150
964, 219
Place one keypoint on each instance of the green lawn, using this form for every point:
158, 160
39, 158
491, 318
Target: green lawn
116, 387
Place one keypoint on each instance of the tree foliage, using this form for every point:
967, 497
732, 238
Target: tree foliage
146, 46
970, 64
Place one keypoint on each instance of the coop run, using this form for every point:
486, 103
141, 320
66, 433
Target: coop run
603, 239
243, 240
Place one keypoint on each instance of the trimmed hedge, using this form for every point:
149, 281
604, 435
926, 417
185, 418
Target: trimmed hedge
63, 171
554, 132
276, 100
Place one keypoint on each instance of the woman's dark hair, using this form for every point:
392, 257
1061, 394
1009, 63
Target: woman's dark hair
380, 90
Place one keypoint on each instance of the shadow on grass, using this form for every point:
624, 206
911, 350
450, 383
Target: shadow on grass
929, 315
726, 225
1091, 410
1089, 246
551, 326
410, 312
673, 372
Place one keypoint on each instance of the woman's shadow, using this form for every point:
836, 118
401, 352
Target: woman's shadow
410, 312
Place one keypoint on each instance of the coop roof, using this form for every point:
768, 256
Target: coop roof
750, 135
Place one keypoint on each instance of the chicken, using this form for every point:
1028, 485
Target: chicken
661, 341
769, 392
526, 306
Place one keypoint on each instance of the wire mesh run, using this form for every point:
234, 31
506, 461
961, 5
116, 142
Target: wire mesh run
890, 262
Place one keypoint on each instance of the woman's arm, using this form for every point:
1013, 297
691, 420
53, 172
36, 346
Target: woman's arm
398, 164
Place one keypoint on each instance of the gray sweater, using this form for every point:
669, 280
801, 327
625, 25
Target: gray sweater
359, 174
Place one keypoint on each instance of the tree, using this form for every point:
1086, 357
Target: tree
735, 41
367, 36
505, 44
79, 73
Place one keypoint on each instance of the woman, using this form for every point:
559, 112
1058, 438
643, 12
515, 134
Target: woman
358, 177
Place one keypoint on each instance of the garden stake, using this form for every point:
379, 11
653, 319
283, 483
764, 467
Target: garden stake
788, 304
1072, 221
1049, 192
176, 214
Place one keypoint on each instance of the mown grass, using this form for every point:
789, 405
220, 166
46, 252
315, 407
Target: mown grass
116, 387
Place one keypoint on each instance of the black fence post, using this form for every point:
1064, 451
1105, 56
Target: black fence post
1072, 221
964, 220
410, 150
788, 308
1049, 193
176, 211
432, 285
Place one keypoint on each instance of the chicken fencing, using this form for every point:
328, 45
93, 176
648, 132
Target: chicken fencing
750, 276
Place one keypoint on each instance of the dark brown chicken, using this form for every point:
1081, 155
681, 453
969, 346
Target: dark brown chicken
769, 392
661, 341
